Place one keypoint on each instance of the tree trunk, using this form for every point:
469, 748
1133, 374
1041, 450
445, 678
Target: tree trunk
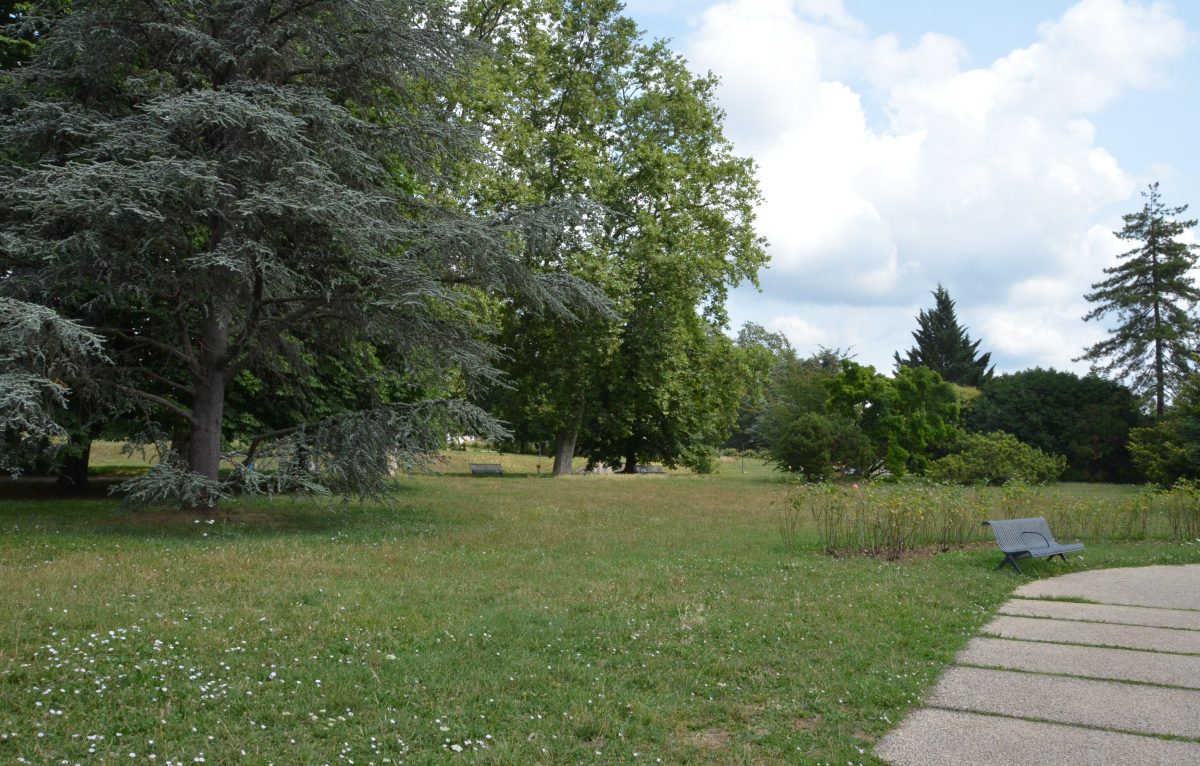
208, 402
204, 443
564, 443
1159, 373
630, 460
74, 473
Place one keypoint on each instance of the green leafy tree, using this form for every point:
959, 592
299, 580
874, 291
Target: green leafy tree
761, 352
1152, 294
944, 346
1087, 420
594, 112
1168, 449
827, 413
796, 427
908, 418
244, 187
550, 100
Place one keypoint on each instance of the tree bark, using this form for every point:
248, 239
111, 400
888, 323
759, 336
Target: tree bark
208, 404
74, 473
1160, 383
564, 443
631, 463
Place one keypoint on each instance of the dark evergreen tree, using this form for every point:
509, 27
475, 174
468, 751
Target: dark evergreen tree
945, 347
1152, 294
264, 188
1086, 420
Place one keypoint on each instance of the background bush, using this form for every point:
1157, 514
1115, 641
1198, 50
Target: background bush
995, 459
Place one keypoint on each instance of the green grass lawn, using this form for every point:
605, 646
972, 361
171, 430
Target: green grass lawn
497, 620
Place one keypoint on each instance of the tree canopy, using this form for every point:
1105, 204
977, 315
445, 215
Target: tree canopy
265, 189
600, 113
828, 413
1151, 292
1086, 420
944, 346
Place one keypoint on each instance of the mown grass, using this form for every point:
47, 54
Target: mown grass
509, 620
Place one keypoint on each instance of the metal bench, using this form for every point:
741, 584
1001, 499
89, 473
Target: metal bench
1028, 539
650, 469
486, 469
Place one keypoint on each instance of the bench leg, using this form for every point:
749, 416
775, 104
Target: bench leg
1008, 559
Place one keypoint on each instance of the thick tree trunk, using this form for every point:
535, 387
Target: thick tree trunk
208, 410
208, 402
1160, 383
564, 443
74, 473
631, 463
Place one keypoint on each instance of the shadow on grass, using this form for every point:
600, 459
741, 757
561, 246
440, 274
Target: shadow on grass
40, 510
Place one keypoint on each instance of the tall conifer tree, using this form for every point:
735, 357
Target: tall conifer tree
1153, 346
945, 347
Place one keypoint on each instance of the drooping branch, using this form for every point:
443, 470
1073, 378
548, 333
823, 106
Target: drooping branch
142, 340
161, 401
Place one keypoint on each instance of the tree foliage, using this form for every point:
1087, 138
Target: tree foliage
1087, 420
996, 458
242, 188
761, 351
1151, 293
38, 351
827, 413
944, 346
597, 113
1168, 450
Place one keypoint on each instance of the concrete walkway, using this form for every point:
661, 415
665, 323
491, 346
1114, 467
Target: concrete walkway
1110, 677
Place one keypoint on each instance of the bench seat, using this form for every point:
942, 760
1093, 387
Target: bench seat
1028, 539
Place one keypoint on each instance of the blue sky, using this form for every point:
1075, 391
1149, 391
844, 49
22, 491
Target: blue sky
988, 146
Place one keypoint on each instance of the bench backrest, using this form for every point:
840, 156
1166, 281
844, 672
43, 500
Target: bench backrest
486, 468
1013, 535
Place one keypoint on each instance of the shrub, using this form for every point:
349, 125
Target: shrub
814, 445
701, 459
997, 458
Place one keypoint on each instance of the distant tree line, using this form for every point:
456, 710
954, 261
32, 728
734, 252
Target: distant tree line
961, 422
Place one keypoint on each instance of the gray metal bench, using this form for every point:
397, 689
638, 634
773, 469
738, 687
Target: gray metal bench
1028, 539
486, 469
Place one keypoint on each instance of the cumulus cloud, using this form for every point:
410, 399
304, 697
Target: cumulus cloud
889, 168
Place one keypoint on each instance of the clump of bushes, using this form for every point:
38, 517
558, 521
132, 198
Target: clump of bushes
997, 458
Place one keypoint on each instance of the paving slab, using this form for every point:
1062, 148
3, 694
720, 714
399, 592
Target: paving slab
1102, 704
1127, 615
1170, 587
947, 738
1095, 634
1086, 661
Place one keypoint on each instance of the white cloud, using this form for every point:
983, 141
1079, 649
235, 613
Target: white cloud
887, 169
802, 333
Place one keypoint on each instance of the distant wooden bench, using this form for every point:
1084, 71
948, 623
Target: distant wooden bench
1028, 539
486, 469
650, 469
